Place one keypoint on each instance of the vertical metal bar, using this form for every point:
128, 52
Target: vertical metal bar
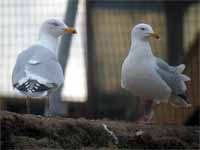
90, 60
174, 19
57, 107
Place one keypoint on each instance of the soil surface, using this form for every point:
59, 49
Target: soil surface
37, 132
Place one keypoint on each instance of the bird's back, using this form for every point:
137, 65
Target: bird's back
22, 60
37, 64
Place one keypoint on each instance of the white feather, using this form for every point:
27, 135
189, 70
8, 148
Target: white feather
180, 68
33, 62
185, 77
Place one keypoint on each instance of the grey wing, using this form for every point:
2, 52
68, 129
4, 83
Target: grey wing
165, 66
46, 66
37, 61
173, 77
19, 68
51, 71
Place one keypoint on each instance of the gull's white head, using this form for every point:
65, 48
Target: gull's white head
143, 32
55, 27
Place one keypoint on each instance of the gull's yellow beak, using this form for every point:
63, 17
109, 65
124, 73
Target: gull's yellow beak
70, 30
155, 35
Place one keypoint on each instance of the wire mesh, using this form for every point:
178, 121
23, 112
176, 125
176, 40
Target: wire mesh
112, 39
19, 27
111, 23
75, 86
192, 60
109, 26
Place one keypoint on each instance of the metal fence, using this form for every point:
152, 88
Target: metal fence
19, 26
110, 24
108, 28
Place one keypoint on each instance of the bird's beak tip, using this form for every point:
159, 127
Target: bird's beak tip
155, 35
70, 30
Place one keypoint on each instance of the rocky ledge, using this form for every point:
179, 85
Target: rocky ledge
36, 132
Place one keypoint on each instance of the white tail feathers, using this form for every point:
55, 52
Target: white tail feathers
180, 68
185, 77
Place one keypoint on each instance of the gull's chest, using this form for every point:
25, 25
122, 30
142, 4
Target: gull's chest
142, 69
135, 70
142, 80
139, 73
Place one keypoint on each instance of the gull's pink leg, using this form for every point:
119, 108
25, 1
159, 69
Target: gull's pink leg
147, 109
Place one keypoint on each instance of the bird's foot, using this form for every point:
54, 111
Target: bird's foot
146, 119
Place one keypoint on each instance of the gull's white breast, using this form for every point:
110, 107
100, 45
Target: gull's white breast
139, 76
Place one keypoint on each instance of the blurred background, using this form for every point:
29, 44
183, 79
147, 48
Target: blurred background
92, 58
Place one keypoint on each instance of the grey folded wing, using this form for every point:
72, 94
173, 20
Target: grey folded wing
38, 61
173, 77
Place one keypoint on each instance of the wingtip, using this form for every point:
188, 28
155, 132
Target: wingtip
185, 78
180, 68
185, 98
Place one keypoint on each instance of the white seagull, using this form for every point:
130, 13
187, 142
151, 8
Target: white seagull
37, 71
150, 77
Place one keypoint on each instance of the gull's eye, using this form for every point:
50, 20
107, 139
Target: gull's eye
142, 29
55, 24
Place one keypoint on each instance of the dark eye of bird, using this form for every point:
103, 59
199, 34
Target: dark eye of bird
142, 29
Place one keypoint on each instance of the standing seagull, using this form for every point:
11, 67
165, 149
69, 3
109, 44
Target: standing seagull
37, 71
149, 77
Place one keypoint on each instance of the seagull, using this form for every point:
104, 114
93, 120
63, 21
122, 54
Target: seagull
149, 77
37, 72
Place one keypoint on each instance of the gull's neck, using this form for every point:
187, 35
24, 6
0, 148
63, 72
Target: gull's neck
48, 41
141, 48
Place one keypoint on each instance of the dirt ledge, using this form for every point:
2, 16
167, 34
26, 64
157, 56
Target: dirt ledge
36, 132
